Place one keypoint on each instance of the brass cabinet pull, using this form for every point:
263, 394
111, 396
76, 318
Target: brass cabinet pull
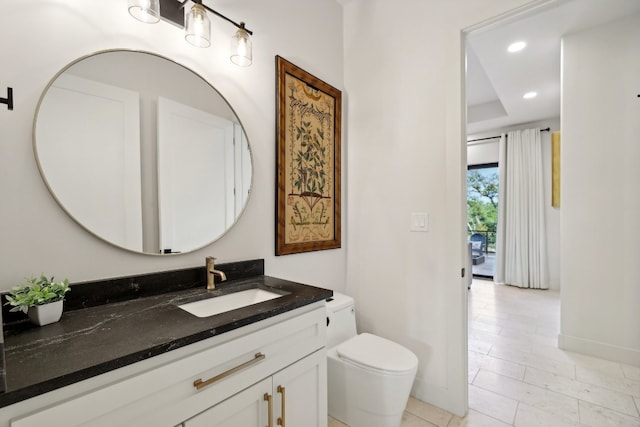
199, 384
281, 420
267, 397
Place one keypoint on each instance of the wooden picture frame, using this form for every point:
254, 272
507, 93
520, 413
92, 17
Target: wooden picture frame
308, 156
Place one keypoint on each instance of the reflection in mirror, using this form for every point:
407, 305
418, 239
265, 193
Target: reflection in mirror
142, 152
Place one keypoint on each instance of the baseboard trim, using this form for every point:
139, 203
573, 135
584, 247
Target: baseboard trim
628, 356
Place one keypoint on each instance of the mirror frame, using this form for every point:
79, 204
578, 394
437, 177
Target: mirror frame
61, 204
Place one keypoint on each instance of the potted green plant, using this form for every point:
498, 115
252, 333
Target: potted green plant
41, 299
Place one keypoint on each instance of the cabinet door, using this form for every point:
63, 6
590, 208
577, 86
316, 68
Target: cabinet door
249, 408
300, 392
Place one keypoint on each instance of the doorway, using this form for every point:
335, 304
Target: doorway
496, 81
490, 329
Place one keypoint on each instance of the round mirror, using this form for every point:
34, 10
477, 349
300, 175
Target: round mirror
142, 152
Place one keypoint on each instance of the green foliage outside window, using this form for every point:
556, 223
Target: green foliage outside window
482, 204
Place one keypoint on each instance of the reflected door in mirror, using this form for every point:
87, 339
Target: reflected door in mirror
94, 165
195, 176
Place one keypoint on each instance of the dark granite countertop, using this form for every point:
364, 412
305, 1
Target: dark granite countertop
94, 340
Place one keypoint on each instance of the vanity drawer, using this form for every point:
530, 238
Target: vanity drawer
167, 395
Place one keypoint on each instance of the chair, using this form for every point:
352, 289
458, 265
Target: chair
469, 272
478, 243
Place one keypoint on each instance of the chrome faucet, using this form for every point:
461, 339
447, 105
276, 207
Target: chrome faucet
211, 274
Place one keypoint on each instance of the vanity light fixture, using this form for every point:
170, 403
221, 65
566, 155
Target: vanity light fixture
196, 24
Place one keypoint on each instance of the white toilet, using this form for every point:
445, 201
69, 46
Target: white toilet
369, 377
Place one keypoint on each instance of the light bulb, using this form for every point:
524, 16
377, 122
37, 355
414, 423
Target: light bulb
241, 52
516, 47
198, 27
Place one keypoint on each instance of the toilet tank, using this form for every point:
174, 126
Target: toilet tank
341, 319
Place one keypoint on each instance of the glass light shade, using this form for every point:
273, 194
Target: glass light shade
197, 27
147, 11
241, 48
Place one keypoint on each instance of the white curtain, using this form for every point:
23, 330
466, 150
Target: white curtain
521, 249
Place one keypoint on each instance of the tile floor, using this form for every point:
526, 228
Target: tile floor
519, 377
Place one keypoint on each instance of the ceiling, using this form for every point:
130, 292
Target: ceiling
497, 79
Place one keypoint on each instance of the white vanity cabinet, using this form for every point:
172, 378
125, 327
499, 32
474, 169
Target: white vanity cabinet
238, 368
294, 396
247, 408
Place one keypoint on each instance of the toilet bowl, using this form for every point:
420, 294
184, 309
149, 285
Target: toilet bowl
369, 378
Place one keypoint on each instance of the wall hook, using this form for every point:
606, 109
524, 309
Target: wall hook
9, 99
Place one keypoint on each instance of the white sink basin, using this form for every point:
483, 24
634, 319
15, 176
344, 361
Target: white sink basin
216, 305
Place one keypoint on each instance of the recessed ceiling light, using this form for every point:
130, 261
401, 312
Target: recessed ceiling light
516, 47
530, 95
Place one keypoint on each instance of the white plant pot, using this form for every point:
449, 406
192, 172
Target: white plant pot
44, 314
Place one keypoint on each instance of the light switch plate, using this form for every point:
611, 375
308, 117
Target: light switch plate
419, 221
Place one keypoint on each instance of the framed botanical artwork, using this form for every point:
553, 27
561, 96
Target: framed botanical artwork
308, 128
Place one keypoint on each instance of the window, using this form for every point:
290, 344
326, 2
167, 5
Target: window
482, 217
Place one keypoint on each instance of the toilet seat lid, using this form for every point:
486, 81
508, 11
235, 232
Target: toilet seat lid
378, 353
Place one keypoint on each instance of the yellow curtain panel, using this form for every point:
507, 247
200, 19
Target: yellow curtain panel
555, 169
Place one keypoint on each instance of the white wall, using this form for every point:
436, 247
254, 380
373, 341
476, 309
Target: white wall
487, 152
37, 236
600, 198
403, 73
